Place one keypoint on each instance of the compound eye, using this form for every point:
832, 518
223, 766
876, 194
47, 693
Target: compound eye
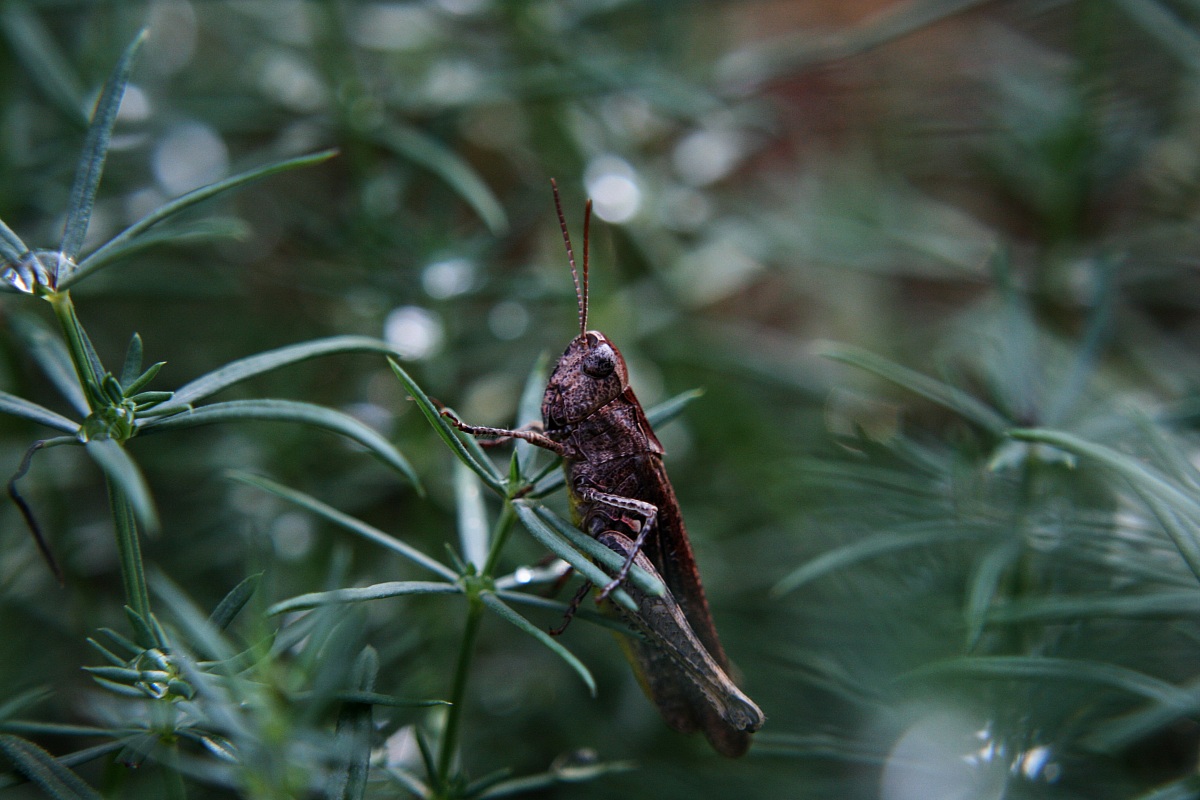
600, 362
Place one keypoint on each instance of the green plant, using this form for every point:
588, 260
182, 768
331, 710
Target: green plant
152, 667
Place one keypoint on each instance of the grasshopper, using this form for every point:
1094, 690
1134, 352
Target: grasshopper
620, 494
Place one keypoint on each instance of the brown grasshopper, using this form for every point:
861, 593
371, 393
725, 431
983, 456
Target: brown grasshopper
620, 493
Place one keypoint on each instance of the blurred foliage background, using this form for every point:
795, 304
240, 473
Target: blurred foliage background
952, 555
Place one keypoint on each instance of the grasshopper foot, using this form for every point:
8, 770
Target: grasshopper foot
572, 608
609, 588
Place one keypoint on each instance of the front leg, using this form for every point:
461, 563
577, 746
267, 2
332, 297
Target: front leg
534, 437
647, 511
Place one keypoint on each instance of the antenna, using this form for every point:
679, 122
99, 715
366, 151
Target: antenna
587, 225
580, 288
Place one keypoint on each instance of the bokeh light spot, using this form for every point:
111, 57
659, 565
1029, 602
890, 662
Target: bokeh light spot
188, 157
508, 320
393, 26
707, 155
415, 332
448, 277
612, 184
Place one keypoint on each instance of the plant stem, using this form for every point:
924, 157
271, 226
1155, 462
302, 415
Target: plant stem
462, 671
500, 531
129, 550
466, 653
80, 349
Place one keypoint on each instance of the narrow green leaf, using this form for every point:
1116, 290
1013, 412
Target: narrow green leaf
55, 729
526, 575
12, 250
95, 150
1175, 507
565, 773
131, 368
1019, 387
130, 647
481, 467
549, 483
825, 673
1072, 387
830, 747
143, 631
245, 368
427, 758
89, 754
378, 699
477, 787
348, 775
270, 410
1166, 605
119, 674
19, 407
24, 699
985, 581
529, 411
1173, 455
672, 407
1181, 530
355, 726
869, 547
475, 448
121, 689
43, 60
1116, 734
176, 234
935, 391
193, 625
112, 389
146, 400
650, 584
348, 522
514, 470
1183, 789
1035, 668
1130, 468
234, 602
123, 471
555, 543
108, 655
422, 149
44, 770
472, 517
120, 243
907, 482
378, 591
411, 783
613, 623
506, 613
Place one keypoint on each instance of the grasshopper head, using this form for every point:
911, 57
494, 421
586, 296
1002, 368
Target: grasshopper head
589, 375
